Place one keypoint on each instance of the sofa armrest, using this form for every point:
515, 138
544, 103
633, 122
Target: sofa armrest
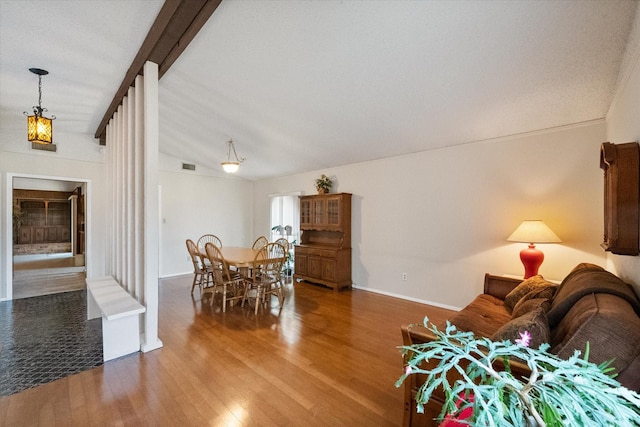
417, 334
499, 286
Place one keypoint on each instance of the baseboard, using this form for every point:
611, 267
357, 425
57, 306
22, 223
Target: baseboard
406, 298
168, 276
149, 346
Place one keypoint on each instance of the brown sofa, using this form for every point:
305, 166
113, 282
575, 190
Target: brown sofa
590, 305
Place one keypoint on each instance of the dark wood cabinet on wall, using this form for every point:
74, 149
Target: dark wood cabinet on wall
44, 221
324, 253
621, 164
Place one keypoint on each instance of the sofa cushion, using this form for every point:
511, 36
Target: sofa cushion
526, 305
612, 329
588, 280
483, 316
535, 322
525, 287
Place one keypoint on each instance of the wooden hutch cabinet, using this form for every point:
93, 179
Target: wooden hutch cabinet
324, 253
621, 164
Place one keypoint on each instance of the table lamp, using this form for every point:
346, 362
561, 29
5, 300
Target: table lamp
531, 232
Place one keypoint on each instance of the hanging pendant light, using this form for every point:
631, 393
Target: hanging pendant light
231, 166
39, 127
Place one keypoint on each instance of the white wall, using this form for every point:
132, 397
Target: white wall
192, 204
443, 216
197, 203
623, 125
78, 159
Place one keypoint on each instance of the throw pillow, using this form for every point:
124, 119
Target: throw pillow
534, 321
526, 305
532, 283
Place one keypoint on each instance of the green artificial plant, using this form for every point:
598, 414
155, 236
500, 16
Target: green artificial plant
572, 392
323, 184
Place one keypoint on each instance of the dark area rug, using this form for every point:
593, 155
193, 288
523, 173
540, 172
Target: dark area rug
46, 338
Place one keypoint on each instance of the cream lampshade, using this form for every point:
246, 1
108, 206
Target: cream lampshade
531, 232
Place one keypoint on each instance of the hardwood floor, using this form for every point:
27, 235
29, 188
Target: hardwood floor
325, 359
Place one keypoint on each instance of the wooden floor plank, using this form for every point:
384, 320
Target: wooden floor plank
326, 358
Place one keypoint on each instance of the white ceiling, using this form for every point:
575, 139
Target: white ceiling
306, 85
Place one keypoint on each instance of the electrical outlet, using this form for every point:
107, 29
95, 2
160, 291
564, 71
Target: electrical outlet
404, 276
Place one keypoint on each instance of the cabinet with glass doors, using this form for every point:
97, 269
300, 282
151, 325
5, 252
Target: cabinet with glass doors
324, 253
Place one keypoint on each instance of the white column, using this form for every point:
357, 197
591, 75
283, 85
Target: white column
110, 250
118, 167
138, 187
132, 119
151, 207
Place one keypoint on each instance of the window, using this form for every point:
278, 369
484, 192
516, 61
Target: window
285, 217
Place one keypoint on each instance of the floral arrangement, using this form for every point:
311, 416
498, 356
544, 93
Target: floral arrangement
323, 184
572, 392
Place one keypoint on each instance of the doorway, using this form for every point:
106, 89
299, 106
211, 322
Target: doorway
47, 242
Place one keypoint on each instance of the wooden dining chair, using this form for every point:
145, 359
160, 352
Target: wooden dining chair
229, 284
260, 243
202, 275
208, 238
285, 244
266, 280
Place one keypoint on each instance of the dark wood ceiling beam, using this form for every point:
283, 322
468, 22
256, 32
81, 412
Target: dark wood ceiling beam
188, 35
182, 18
177, 23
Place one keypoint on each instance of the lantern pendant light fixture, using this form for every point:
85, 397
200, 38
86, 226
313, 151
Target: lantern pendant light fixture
39, 127
231, 166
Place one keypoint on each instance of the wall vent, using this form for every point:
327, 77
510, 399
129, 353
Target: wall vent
43, 147
188, 166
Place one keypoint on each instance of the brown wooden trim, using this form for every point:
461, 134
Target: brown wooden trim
176, 25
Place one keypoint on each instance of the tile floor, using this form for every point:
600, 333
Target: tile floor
46, 338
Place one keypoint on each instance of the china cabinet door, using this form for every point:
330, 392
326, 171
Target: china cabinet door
300, 263
305, 213
314, 267
319, 212
334, 216
329, 269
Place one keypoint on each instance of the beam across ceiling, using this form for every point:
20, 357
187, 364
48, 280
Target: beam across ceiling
177, 23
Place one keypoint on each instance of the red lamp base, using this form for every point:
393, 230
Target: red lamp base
531, 258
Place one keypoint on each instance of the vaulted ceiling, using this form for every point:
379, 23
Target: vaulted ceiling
306, 85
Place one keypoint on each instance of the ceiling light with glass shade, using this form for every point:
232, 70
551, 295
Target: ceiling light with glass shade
39, 127
232, 166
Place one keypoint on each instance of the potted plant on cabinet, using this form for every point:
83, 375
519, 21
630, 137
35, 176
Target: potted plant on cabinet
323, 184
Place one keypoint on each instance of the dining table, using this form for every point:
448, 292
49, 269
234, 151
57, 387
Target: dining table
236, 256
239, 257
